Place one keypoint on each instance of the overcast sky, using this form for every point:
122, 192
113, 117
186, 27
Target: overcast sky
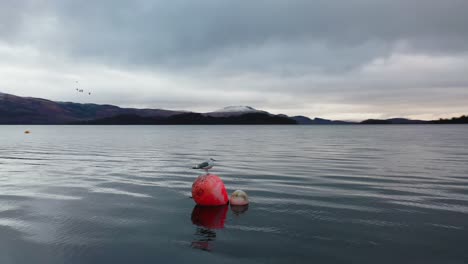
351, 60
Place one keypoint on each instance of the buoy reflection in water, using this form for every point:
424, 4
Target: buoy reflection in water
239, 209
207, 219
212, 217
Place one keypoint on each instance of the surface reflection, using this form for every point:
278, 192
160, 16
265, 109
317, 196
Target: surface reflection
212, 217
203, 239
239, 209
207, 219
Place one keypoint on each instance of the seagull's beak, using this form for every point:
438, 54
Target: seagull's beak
213, 160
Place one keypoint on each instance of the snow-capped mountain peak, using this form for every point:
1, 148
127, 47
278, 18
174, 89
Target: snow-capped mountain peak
237, 108
235, 111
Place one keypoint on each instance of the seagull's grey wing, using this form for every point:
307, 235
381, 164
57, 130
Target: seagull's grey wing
203, 165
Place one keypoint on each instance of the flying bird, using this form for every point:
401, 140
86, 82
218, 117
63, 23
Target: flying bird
205, 165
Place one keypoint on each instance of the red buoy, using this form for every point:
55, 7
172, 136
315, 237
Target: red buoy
209, 190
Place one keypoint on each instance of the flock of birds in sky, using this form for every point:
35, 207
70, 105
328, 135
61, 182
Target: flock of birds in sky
79, 90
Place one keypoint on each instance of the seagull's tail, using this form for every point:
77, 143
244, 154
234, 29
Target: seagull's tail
195, 167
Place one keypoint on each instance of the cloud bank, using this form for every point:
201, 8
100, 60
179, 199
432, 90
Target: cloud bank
336, 59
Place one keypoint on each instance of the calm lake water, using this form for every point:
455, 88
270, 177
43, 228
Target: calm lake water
319, 194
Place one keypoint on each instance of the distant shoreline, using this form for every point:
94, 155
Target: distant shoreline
16, 110
333, 125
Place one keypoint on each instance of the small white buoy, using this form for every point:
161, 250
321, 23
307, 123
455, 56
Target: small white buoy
239, 198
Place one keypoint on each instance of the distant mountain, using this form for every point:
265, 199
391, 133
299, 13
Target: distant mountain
28, 110
234, 111
303, 120
393, 121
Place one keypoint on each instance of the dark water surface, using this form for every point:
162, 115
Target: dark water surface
319, 194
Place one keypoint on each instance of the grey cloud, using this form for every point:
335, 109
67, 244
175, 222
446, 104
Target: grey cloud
11, 18
183, 33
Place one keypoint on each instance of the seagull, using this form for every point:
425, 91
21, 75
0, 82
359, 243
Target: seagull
205, 165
